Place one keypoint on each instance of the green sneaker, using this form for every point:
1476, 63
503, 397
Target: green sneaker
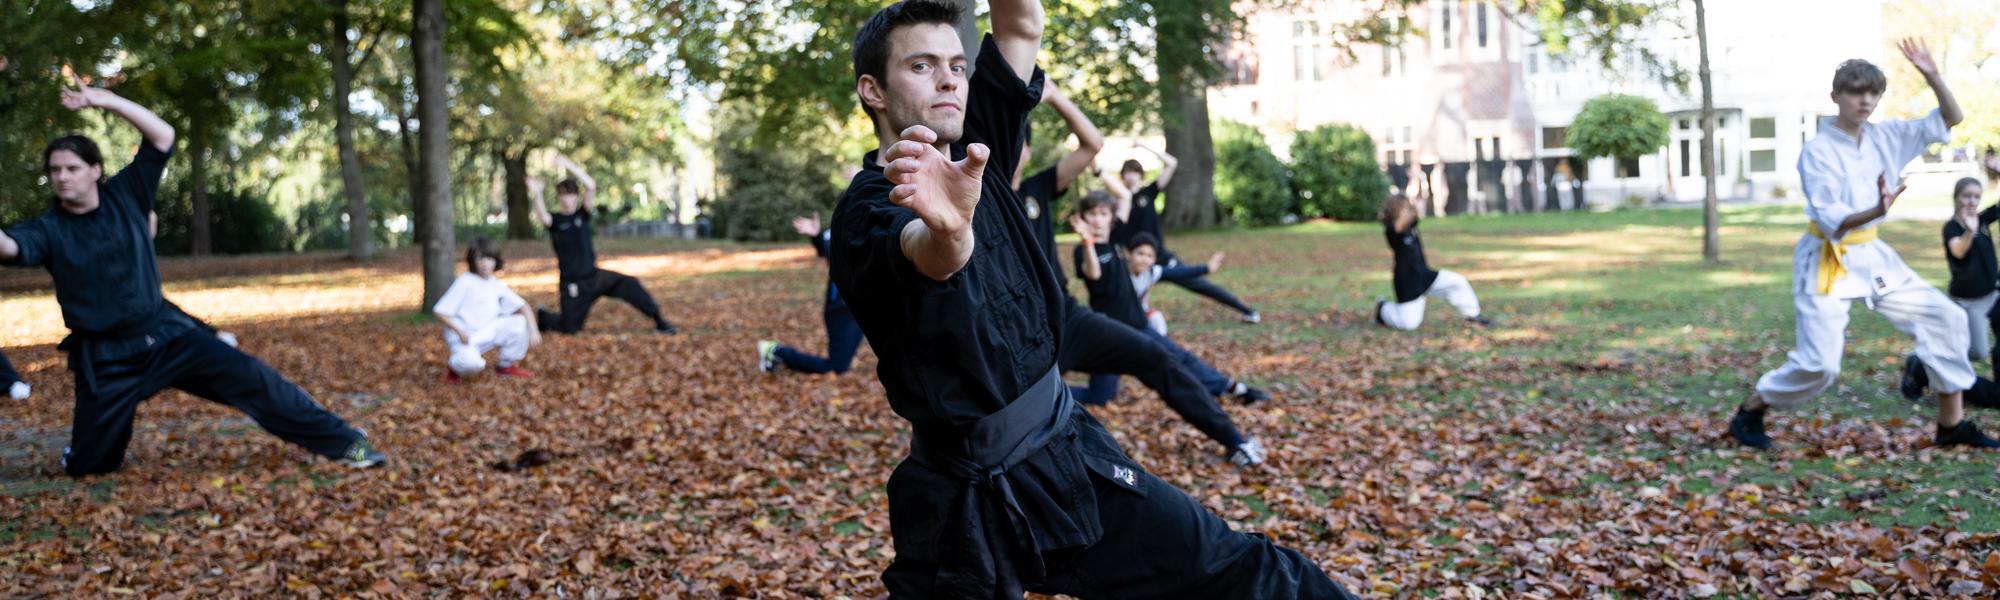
767, 356
362, 455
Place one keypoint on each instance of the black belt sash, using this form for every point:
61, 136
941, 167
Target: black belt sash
973, 562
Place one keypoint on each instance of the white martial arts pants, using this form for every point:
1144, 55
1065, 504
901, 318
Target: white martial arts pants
509, 334
1916, 309
1451, 286
1976, 325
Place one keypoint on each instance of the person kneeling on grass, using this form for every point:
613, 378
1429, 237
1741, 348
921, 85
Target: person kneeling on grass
480, 313
1413, 277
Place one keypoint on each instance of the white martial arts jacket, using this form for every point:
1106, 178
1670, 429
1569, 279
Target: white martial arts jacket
1839, 177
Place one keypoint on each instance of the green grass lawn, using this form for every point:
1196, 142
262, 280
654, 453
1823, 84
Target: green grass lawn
1618, 310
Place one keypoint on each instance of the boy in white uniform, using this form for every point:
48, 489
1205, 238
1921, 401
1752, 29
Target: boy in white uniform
480, 313
1851, 174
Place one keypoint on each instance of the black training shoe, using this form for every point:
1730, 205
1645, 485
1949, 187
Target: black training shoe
1964, 434
1378, 313
1480, 320
666, 328
1915, 378
1248, 395
1748, 429
362, 455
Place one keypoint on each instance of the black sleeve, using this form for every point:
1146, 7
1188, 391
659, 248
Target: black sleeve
866, 250
1952, 229
32, 238
1988, 216
1183, 272
996, 111
822, 242
140, 180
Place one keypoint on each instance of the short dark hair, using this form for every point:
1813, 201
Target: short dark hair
483, 246
566, 186
1143, 238
1094, 200
1856, 76
1393, 208
1959, 188
81, 146
871, 43
1132, 166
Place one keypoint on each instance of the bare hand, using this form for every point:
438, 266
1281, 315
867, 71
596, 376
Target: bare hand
1215, 263
1082, 229
1919, 54
806, 226
534, 336
1888, 195
1050, 92
83, 96
536, 185
942, 193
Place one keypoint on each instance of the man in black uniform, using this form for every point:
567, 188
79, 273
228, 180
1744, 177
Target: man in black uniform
579, 282
1008, 487
126, 341
1098, 344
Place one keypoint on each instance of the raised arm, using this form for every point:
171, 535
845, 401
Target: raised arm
1089, 141
1017, 31
582, 179
535, 187
1168, 164
1919, 54
1088, 268
156, 130
1114, 184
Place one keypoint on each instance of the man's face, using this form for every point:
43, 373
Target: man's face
1140, 258
1132, 179
73, 179
925, 82
1856, 107
569, 201
1099, 220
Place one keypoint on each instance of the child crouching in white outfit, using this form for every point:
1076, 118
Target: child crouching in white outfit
480, 313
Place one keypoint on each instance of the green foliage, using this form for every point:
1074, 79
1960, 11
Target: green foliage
763, 187
1250, 182
243, 224
1608, 30
1618, 125
1334, 173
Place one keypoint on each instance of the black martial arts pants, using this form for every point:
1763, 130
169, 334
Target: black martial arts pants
7, 373
579, 295
1209, 289
108, 392
843, 339
1157, 543
1100, 345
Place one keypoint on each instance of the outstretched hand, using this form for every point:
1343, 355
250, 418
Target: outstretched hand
536, 185
1215, 263
82, 96
806, 226
1888, 195
1082, 229
943, 193
1919, 53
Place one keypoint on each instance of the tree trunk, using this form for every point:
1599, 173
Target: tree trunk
1191, 194
200, 243
520, 208
1711, 221
433, 137
968, 29
360, 231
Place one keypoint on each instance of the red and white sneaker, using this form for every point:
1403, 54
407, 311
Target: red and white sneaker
450, 376
513, 371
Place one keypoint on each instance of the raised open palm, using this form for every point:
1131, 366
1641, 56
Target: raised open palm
943, 193
1919, 54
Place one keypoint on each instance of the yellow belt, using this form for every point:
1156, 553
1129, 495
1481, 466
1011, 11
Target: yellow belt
1833, 254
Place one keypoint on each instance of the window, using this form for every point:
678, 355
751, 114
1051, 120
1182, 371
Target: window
1553, 138
1482, 24
1395, 61
1684, 125
1444, 21
1628, 167
1307, 50
1764, 128
1685, 144
1763, 161
1721, 150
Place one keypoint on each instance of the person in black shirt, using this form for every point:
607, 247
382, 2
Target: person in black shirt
1094, 343
126, 341
10, 379
579, 282
843, 335
1968, 250
1109, 280
1008, 487
1414, 279
1136, 212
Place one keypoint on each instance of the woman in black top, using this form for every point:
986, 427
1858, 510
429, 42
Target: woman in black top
1414, 279
1968, 249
